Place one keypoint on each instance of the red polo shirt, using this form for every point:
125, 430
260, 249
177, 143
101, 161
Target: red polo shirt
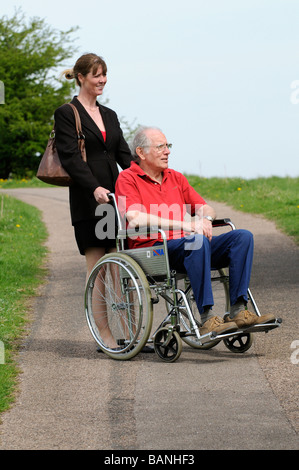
171, 199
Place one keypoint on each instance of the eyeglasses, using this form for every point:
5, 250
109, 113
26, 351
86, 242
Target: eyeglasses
160, 148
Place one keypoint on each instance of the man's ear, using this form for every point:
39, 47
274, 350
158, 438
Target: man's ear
140, 153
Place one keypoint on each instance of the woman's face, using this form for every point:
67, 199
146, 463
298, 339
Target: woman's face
93, 84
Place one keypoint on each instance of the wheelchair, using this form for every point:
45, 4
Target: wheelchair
124, 286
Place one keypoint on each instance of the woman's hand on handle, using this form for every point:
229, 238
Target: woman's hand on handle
101, 195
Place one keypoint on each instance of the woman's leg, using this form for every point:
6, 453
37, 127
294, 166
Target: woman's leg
92, 255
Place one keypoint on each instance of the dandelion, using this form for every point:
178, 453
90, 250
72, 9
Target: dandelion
239, 189
18, 225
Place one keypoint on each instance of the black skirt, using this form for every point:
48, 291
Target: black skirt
94, 234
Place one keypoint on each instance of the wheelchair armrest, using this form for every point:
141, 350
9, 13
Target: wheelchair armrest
222, 223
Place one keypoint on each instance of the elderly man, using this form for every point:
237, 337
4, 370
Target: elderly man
157, 195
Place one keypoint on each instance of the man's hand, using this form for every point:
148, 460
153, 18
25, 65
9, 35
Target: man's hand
202, 226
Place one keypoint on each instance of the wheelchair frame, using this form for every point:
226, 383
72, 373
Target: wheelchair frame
124, 286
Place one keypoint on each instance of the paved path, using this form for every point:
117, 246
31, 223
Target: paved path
72, 397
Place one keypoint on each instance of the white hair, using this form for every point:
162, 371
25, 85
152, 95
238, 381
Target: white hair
141, 139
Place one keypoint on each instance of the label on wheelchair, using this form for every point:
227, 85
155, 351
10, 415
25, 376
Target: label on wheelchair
151, 259
158, 252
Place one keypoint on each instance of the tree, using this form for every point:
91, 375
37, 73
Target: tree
30, 55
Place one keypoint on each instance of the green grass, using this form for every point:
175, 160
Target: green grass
275, 198
22, 252
22, 183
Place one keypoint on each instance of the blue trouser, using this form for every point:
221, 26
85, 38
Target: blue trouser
197, 256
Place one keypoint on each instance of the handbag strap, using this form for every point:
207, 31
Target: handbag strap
78, 122
81, 136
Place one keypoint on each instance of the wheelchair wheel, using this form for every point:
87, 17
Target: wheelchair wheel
239, 343
171, 351
118, 306
220, 286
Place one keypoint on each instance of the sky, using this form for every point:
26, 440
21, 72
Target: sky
220, 78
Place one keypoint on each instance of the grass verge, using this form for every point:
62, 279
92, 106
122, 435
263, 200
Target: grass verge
275, 198
22, 251
22, 183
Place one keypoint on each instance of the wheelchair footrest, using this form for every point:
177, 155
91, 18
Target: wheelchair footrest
208, 337
263, 326
253, 329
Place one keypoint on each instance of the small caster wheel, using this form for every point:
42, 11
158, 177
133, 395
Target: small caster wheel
167, 351
239, 343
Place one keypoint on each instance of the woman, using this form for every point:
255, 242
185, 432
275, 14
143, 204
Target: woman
105, 148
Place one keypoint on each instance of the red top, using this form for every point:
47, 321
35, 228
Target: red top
171, 199
104, 135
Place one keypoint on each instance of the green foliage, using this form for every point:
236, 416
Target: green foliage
30, 52
275, 198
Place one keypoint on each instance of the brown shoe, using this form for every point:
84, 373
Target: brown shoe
218, 325
243, 319
268, 317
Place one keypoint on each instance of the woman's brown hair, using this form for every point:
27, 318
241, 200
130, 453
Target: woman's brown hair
85, 64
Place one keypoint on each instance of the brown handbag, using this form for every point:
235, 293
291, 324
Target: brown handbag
50, 169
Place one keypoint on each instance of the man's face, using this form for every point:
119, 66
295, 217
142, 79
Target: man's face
156, 155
